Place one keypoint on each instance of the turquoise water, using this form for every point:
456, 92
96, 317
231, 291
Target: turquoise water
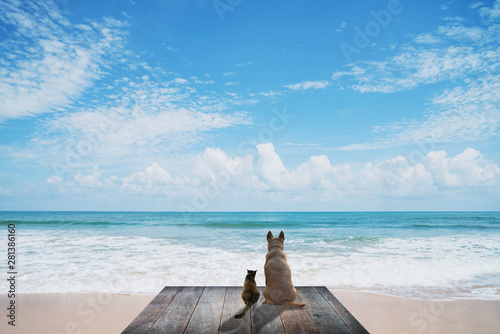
420, 254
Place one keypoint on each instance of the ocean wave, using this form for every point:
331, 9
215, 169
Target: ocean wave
490, 226
461, 265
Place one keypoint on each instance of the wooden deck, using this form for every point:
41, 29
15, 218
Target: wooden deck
211, 310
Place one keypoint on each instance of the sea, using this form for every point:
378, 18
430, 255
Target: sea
429, 255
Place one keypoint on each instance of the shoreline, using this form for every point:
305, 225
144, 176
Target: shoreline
111, 313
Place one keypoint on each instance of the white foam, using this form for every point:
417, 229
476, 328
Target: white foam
56, 261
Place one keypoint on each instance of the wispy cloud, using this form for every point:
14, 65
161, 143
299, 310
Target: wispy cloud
49, 62
248, 63
468, 110
148, 112
462, 114
475, 5
144, 118
490, 14
452, 52
341, 27
319, 84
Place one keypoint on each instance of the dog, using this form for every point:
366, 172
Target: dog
279, 289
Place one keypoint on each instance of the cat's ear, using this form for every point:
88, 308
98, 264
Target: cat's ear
282, 236
248, 271
269, 235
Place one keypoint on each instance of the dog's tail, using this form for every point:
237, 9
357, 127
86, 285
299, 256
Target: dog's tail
242, 314
295, 304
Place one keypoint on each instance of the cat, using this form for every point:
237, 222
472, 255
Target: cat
250, 293
279, 288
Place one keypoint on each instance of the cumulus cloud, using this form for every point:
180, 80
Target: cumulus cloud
468, 168
91, 180
154, 180
315, 179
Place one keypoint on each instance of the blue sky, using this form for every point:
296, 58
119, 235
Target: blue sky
249, 105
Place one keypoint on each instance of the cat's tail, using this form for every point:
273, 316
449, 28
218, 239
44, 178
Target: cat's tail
295, 304
242, 314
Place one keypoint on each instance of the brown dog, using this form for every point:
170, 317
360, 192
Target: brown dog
279, 289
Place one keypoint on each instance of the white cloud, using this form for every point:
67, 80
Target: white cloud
319, 84
427, 39
54, 179
394, 177
154, 180
341, 27
143, 118
248, 63
417, 66
214, 166
198, 81
48, 63
468, 168
270, 93
469, 110
90, 180
316, 179
490, 14
453, 51
475, 5
461, 114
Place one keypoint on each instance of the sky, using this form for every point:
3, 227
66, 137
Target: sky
237, 105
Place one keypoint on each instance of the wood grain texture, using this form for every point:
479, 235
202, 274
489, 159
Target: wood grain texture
348, 318
176, 316
324, 316
233, 304
206, 317
297, 320
266, 318
147, 318
193, 310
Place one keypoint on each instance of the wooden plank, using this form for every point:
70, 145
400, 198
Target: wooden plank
297, 320
266, 318
323, 315
146, 319
176, 316
348, 318
233, 304
207, 315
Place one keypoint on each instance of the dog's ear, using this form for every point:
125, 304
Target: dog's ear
269, 235
282, 236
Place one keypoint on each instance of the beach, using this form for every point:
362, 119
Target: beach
110, 313
93, 272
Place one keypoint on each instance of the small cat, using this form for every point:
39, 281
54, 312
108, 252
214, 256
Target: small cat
250, 293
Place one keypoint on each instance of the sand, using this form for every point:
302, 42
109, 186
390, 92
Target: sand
74, 313
387, 314
81, 313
